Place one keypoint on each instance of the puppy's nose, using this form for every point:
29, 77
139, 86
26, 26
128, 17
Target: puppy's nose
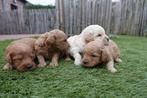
107, 38
68, 45
29, 67
85, 62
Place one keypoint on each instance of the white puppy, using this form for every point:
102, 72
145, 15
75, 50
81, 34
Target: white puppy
78, 42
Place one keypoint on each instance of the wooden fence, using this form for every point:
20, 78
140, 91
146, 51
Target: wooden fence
29, 21
130, 17
74, 15
124, 17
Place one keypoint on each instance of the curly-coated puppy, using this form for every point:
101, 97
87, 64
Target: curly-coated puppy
51, 45
20, 55
78, 42
95, 53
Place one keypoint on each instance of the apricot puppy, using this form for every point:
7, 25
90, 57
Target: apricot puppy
96, 52
20, 55
51, 45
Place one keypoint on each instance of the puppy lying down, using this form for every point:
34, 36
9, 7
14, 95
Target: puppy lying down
96, 52
20, 55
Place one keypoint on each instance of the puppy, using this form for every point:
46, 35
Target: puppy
51, 45
96, 53
20, 55
78, 42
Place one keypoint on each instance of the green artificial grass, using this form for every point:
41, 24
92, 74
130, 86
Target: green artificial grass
70, 81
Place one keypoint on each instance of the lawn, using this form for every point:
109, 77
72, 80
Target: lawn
70, 81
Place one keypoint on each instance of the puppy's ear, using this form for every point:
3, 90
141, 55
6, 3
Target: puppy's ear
50, 39
105, 56
9, 58
88, 38
33, 54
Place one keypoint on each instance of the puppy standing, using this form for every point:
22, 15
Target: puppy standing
96, 53
78, 42
51, 45
20, 55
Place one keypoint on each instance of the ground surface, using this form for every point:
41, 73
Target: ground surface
69, 81
17, 36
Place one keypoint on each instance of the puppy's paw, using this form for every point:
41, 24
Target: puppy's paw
113, 70
77, 63
68, 59
118, 60
52, 64
41, 65
7, 67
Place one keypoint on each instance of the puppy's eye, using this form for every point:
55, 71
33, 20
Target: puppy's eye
64, 40
18, 59
93, 55
99, 35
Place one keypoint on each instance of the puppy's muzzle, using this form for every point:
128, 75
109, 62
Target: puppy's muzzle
29, 67
85, 62
107, 38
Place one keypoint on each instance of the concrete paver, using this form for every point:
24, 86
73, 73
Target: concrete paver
17, 36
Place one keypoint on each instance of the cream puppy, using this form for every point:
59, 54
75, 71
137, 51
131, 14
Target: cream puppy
78, 42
